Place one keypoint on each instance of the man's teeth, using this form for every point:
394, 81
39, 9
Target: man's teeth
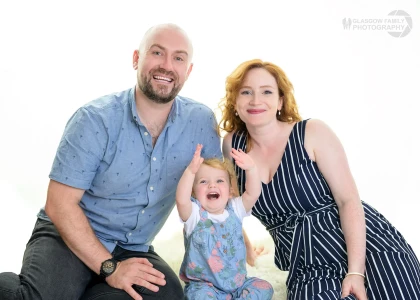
162, 78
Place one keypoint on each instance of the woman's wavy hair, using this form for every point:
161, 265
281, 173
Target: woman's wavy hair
229, 121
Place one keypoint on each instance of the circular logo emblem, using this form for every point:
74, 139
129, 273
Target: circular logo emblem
406, 23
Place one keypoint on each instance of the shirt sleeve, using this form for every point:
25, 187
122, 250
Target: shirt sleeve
212, 141
239, 208
80, 151
192, 221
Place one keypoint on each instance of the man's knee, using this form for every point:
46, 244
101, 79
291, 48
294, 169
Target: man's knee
9, 286
171, 290
102, 291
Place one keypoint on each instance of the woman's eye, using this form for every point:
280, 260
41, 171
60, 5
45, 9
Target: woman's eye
267, 92
246, 93
220, 181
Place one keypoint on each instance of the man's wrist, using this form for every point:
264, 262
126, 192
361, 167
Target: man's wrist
108, 267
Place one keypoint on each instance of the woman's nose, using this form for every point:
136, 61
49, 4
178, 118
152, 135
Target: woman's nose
254, 100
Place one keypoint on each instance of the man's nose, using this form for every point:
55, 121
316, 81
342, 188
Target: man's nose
167, 63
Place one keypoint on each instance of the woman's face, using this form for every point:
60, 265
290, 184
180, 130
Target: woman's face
258, 99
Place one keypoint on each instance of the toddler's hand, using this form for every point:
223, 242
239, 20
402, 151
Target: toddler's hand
243, 160
196, 160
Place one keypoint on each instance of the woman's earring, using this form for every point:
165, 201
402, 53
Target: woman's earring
279, 112
236, 113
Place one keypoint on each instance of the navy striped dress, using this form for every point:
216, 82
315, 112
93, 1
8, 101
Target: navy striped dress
299, 211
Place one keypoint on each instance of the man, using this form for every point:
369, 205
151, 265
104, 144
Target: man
113, 184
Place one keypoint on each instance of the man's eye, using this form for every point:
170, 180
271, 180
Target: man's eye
179, 58
157, 53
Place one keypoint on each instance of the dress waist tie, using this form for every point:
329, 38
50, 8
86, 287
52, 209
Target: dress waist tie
302, 239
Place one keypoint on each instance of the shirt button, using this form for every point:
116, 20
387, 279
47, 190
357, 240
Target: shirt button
151, 188
142, 211
146, 133
129, 233
154, 158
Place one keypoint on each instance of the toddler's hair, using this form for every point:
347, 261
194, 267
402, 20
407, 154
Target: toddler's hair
227, 166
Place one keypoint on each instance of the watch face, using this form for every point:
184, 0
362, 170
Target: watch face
108, 266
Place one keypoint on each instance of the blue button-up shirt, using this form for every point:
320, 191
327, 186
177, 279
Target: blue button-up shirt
129, 184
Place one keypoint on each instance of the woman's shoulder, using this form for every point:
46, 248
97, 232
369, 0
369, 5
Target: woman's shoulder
318, 133
227, 144
315, 126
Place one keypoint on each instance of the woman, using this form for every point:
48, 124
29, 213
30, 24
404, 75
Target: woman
333, 244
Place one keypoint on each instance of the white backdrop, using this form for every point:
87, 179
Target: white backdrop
57, 55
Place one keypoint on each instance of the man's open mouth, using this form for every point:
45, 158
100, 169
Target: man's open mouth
163, 78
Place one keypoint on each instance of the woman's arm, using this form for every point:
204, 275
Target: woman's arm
227, 145
324, 147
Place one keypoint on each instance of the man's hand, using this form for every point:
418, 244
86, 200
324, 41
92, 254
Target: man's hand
137, 271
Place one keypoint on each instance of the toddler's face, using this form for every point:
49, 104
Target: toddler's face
212, 188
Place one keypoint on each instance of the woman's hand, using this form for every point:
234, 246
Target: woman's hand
354, 284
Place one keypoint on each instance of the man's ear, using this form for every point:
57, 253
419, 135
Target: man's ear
136, 56
189, 70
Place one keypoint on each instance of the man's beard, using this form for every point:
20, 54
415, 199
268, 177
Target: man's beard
161, 95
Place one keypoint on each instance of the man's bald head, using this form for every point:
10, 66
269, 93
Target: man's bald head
149, 35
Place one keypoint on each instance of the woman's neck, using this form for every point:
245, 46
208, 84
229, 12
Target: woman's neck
263, 137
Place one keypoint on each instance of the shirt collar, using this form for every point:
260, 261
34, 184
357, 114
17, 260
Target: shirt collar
174, 112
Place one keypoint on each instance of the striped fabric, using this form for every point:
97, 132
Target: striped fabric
298, 209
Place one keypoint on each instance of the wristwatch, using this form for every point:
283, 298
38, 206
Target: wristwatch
108, 267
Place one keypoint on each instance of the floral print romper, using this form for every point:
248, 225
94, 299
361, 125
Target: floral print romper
214, 265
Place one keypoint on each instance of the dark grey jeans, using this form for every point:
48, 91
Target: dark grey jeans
50, 271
